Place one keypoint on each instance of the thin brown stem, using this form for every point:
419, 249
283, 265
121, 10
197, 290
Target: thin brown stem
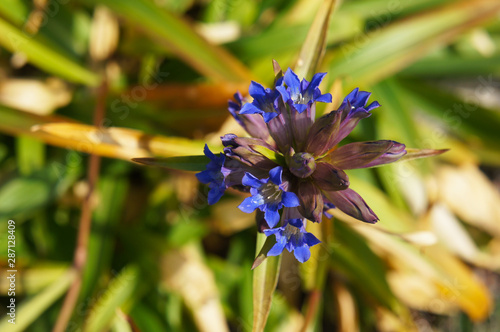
80, 256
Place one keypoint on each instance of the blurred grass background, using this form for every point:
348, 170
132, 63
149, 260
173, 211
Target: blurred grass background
141, 78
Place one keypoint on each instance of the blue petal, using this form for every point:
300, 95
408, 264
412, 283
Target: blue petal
303, 85
208, 153
276, 231
275, 175
310, 239
277, 249
289, 199
204, 177
250, 180
256, 90
283, 92
300, 107
268, 116
372, 106
302, 253
352, 95
215, 194
293, 83
296, 222
249, 204
272, 215
315, 82
250, 108
326, 98
362, 98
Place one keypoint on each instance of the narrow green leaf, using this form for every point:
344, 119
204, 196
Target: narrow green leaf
465, 118
453, 66
14, 10
119, 290
265, 279
313, 48
349, 246
188, 163
30, 154
44, 57
32, 308
176, 35
371, 57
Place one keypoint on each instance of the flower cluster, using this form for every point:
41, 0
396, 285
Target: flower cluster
292, 164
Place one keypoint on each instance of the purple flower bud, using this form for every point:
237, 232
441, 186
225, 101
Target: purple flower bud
302, 164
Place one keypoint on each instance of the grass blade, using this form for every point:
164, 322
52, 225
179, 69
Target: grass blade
175, 34
265, 279
32, 308
395, 47
43, 57
119, 291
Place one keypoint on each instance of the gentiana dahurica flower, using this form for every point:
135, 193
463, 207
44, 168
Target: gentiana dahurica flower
291, 164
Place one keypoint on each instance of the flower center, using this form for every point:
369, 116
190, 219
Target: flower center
292, 232
271, 192
302, 164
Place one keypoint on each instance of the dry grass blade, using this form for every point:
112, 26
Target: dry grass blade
184, 272
471, 196
443, 283
116, 142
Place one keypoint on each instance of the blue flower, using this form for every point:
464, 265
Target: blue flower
268, 195
301, 95
358, 99
293, 237
263, 102
214, 176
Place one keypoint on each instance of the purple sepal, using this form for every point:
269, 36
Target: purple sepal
349, 202
366, 154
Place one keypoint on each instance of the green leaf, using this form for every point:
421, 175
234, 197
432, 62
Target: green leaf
30, 154
262, 255
39, 189
313, 48
188, 163
14, 10
453, 66
175, 34
265, 279
44, 57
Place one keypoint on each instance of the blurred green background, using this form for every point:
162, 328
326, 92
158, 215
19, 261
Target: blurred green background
142, 78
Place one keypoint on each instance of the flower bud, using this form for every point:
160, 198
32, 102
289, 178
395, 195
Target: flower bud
302, 164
